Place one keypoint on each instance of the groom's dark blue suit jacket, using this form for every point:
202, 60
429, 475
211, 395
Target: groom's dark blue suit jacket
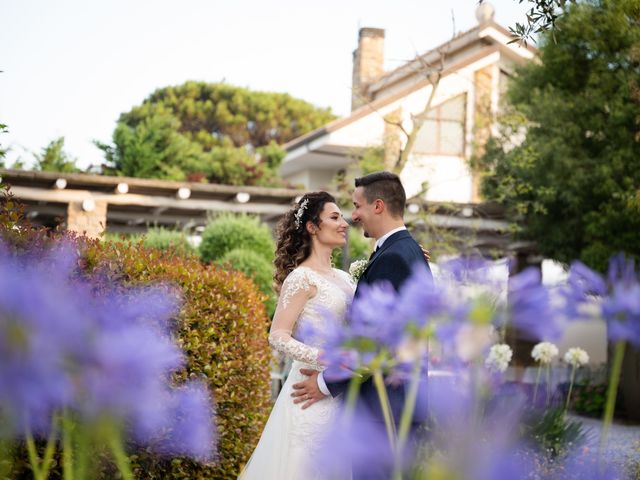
394, 262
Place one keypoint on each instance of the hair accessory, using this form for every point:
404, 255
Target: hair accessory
300, 212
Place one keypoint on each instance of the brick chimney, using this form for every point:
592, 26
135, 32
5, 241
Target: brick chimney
368, 64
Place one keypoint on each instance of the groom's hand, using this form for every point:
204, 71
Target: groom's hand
307, 391
425, 252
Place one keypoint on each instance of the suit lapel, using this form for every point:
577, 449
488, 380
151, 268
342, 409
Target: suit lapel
388, 242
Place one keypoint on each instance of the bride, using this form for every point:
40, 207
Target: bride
309, 288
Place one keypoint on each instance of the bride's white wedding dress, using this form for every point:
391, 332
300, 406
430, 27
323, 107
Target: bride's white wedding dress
291, 435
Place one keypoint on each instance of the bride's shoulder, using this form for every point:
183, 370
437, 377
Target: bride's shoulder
299, 274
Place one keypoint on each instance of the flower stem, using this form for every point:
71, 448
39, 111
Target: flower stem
42, 467
34, 460
535, 389
612, 391
6, 455
386, 407
573, 376
409, 406
67, 446
407, 416
548, 379
120, 456
353, 392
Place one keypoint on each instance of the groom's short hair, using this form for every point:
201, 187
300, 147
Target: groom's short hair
387, 187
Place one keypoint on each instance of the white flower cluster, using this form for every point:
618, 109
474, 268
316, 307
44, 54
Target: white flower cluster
300, 212
576, 357
499, 357
544, 352
357, 268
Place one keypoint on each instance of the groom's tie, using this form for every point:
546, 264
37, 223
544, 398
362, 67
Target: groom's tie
373, 254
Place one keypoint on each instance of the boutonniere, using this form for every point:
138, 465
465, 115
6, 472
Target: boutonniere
357, 268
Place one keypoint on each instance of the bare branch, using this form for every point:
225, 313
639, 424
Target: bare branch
369, 104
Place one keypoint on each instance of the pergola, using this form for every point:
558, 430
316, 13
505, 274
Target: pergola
94, 203
91, 204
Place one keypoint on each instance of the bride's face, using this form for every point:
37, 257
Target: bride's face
332, 230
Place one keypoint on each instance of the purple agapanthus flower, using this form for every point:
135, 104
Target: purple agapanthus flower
530, 307
94, 350
373, 315
358, 443
332, 335
618, 296
621, 308
467, 269
188, 428
41, 329
420, 300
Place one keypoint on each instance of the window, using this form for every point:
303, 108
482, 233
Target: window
443, 131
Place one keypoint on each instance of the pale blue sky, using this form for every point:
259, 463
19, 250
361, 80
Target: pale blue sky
72, 66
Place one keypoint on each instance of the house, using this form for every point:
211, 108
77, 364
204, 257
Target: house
474, 68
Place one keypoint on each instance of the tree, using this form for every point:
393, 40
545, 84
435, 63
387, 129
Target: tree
54, 159
574, 180
210, 132
542, 17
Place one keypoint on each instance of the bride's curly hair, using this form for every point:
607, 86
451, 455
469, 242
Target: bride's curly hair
293, 243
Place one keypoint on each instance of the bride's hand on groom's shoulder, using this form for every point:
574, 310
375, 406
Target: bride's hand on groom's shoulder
307, 391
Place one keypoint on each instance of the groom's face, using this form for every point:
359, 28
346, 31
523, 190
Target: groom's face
363, 211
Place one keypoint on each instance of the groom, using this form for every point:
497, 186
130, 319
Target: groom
379, 200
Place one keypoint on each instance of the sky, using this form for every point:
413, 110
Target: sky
71, 67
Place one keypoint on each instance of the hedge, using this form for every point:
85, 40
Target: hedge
228, 232
255, 267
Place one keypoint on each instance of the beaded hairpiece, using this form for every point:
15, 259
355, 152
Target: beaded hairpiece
300, 212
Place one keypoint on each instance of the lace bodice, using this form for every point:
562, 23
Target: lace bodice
308, 297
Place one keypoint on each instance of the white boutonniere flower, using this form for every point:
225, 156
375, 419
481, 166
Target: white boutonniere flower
357, 268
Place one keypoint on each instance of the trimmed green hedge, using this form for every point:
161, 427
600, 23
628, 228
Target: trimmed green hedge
157, 237
255, 267
228, 232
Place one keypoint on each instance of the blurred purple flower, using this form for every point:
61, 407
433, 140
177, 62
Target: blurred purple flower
420, 300
530, 307
621, 308
39, 333
585, 281
622, 270
189, 424
467, 269
335, 354
359, 443
100, 350
373, 315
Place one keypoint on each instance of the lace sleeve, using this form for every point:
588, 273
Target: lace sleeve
296, 291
